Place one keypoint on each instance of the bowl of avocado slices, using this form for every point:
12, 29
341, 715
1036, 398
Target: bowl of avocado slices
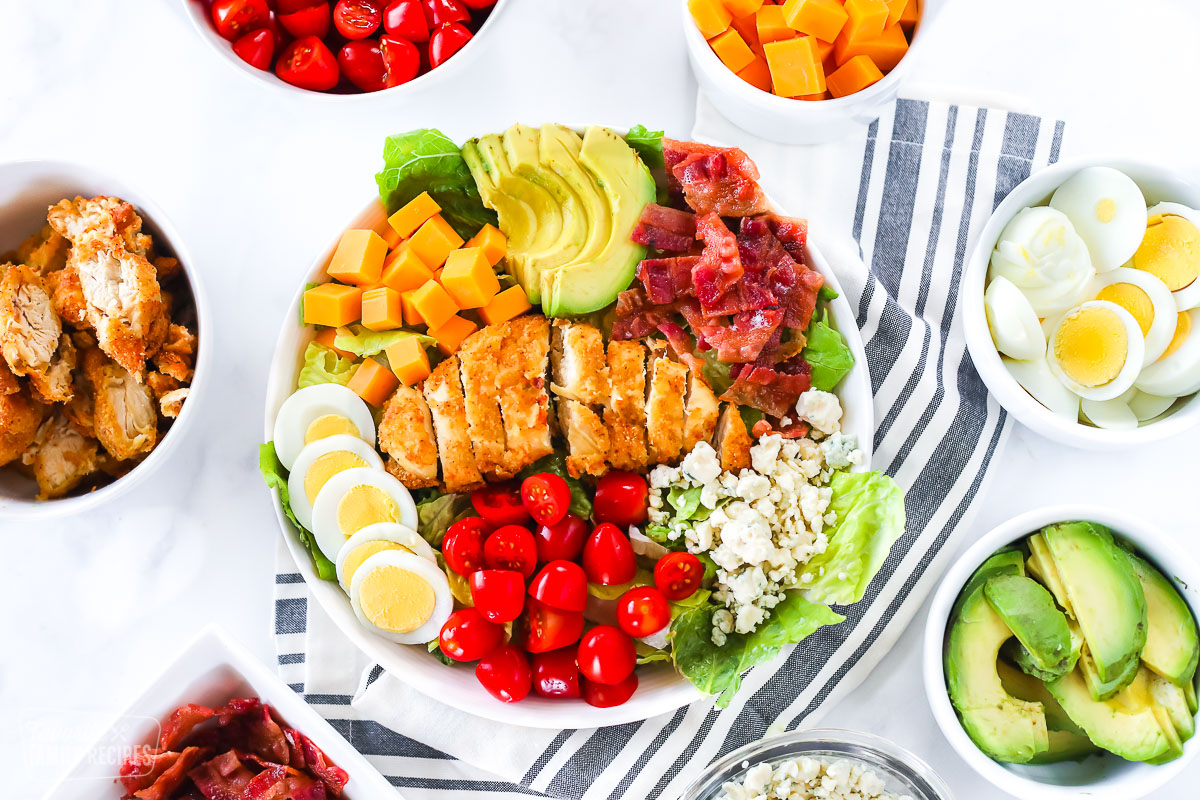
1061, 652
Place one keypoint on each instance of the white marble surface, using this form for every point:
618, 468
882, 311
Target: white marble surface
257, 182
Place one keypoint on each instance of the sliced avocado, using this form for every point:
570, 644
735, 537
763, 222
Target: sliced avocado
1065, 746
1172, 645
1028, 688
1030, 613
1100, 688
1104, 593
1005, 562
1139, 695
1041, 566
1189, 692
1173, 699
516, 219
1125, 729
1021, 657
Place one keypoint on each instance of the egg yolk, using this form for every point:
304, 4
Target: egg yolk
396, 599
329, 425
1133, 299
1090, 346
1170, 250
356, 557
365, 505
1106, 209
1183, 329
325, 467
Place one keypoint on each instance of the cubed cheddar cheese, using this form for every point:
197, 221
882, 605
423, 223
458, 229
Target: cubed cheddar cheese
332, 304
732, 50
413, 214
795, 67
328, 338
450, 334
390, 237
743, 8
885, 50
747, 28
433, 241
855, 75
403, 271
373, 382
469, 279
867, 18
771, 26
821, 96
411, 315
711, 16
908, 17
823, 19
381, 309
408, 360
507, 305
895, 10
757, 74
358, 258
433, 304
492, 242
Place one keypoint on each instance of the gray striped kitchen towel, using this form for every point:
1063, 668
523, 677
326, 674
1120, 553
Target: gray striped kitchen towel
909, 197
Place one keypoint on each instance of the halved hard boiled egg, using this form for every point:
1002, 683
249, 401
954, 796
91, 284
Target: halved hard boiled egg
1097, 350
315, 412
320, 461
1113, 415
1036, 378
1177, 373
1148, 299
1108, 211
1170, 250
1014, 324
375, 539
401, 596
355, 498
1148, 406
1042, 255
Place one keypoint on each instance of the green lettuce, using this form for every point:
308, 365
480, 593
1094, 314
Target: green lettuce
827, 353
648, 145
870, 518
366, 342
827, 293
323, 365
275, 477
556, 463
436, 513
426, 160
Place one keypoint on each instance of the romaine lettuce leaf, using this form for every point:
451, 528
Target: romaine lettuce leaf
366, 342
827, 353
275, 477
323, 365
648, 145
436, 513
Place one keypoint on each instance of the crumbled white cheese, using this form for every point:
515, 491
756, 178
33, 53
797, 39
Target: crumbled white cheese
807, 778
841, 451
821, 410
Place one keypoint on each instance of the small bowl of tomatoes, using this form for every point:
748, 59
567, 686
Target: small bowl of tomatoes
344, 48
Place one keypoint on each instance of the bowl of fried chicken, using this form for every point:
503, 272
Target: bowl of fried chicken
100, 318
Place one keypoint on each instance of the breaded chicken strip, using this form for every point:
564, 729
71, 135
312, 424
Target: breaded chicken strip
666, 384
125, 416
8, 381
625, 414
406, 435
61, 458
56, 384
45, 251
171, 403
521, 384
29, 328
578, 363
444, 394
177, 354
703, 408
587, 438
479, 359
733, 441
20, 417
67, 296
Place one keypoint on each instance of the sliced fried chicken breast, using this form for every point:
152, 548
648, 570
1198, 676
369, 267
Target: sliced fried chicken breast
56, 383
479, 360
20, 417
702, 411
521, 385
444, 394
587, 438
579, 366
665, 387
29, 327
124, 415
406, 435
61, 459
732, 440
625, 414
177, 353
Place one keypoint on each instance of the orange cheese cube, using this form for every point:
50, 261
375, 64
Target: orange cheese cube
413, 215
747, 28
822, 96
327, 337
855, 75
895, 9
795, 67
711, 16
908, 17
492, 242
373, 382
332, 304
732, 50
403, 271
381, 309
743, 8
433, 304
510, 303
358, 258
411, 315
390, 237
885, 50
820, 18
469, 279
433, 241
771, 26
757, 74
450, 335
867, 18
408, 360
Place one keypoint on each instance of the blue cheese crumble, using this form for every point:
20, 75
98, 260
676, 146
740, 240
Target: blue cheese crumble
808, 778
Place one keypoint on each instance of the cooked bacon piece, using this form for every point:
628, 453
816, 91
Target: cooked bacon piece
667, 279
636, 316
312, 759
666, 229
144, 767
719, 267
715, 179
222, 776
20, 417
682, 345
745, 338
792, 232
773, 390
174, 776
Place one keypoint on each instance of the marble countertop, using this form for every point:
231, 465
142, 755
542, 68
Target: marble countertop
257, 181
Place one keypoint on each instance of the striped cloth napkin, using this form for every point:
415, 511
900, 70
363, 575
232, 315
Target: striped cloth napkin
909, 197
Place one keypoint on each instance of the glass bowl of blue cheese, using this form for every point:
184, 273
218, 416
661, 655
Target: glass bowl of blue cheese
819, 764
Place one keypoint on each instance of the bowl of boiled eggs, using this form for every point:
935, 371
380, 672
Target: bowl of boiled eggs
1082, 310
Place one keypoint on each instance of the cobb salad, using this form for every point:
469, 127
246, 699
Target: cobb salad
547, 318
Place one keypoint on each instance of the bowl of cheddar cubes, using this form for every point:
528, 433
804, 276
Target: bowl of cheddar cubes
802, 71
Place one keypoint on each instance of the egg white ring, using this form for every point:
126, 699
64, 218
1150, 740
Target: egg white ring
329, 535
1060, 297
1109, 257
1149, 406
1178, 374
1111, 415
1188, 297
443, 602
1162, 327
384, 532
305, 405
1044, 386
1002, 295
1134, 355
298, 498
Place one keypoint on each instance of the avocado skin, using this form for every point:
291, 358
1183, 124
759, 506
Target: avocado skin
1041, 629
1172, 644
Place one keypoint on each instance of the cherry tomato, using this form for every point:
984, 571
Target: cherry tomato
608, 557
546, 496
601, 696
401, 59
232, 18
442, 12
678, 575
361, 61
500, 503
499, 594
479, 4
606, 655
564, 539
505, 673
511, 547
555, 673
445, 42
307, 63
357, 19
256, 48
622, 499
548, 628
288, 6
561, 584
406, 19
311, 21
468, 636
463, 546
642, 611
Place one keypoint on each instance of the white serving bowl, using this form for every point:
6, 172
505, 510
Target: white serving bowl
1157, 184
789, 121
198, 12
1104, 777
27, 189
211, 671
660, 688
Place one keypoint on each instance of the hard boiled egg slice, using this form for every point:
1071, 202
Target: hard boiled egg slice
1112, 415
1108, 211
1149, 301
355, 498
1015, 328
375, 539
401, 596
1042, 255
1177, 373
1148, 406
1097, 350
1170, 250
315, 412
1036, 378
320, 461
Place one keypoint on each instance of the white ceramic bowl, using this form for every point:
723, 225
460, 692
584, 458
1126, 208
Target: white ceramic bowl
789, 121
1098, 777
198, 12
1158, 184
212, 670
27, 189
660, 688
